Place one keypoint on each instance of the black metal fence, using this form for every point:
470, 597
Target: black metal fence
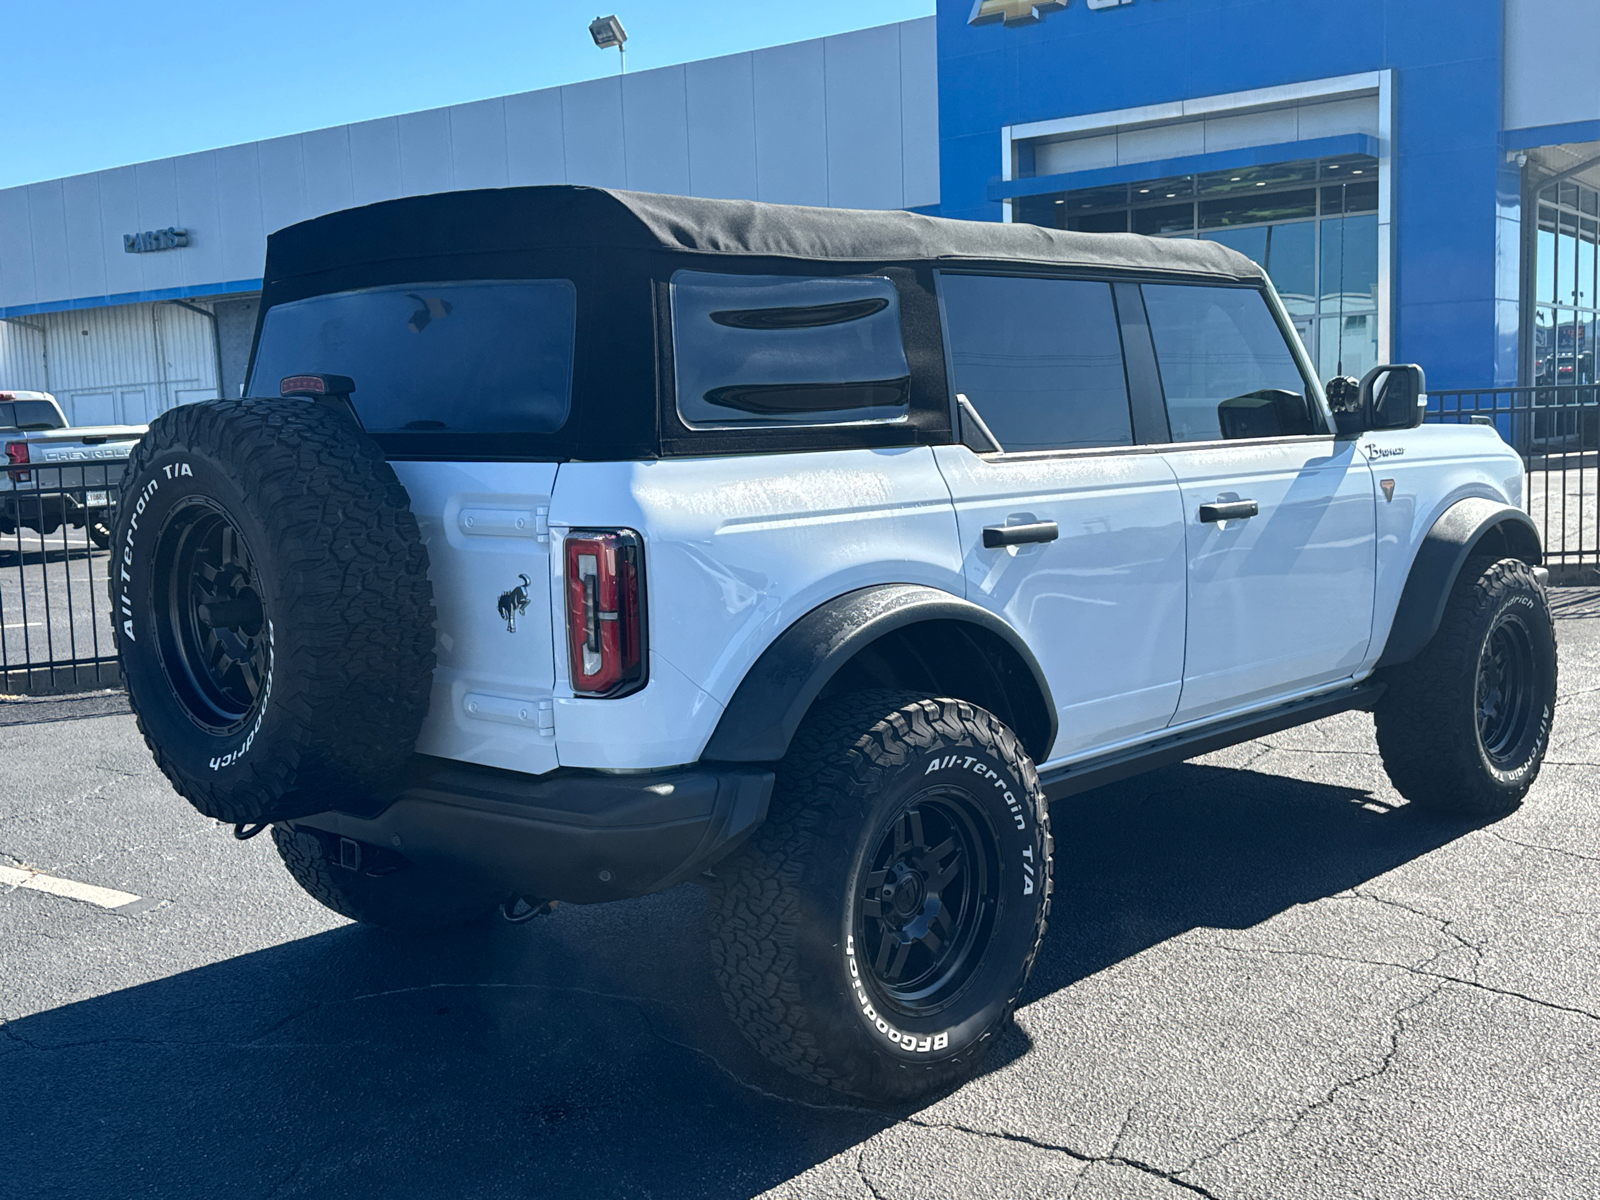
1556, 429
55, 618
55, 615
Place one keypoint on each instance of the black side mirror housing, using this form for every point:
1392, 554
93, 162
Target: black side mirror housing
1344, 399
1394, 396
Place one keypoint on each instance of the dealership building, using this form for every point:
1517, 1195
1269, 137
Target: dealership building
1421, 178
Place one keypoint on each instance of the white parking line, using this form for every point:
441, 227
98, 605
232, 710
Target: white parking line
107, 898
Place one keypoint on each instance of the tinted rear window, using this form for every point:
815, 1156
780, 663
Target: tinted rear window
753, 350
483, 357
30, 414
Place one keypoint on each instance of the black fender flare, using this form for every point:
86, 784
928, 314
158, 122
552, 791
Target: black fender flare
1455, 536
775, 694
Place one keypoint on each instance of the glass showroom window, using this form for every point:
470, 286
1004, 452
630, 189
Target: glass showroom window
1566, 298
1313, 225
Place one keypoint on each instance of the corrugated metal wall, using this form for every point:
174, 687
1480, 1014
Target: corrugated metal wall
112, 366
22, 355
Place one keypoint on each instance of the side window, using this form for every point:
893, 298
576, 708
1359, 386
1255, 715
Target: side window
758, 350
1040, 360
1226, 368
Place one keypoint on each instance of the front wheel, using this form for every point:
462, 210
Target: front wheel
1464, 726
875, 933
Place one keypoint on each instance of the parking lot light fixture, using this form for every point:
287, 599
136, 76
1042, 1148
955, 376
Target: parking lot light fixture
608, 32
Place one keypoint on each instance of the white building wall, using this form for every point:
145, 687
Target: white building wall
120, 365
22, 355
849, 120
1550, 63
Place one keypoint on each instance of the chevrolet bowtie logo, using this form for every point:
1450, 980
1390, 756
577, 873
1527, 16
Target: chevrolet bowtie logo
1027, 12
1012, 12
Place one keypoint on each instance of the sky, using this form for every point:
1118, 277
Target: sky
89, 84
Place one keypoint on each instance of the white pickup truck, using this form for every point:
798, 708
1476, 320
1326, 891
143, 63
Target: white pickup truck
57, 475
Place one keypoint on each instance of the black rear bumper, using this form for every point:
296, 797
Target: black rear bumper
576, 836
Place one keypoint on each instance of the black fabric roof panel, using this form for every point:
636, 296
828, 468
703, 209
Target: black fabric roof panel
505, 220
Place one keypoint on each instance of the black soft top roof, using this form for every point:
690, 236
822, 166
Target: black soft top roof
512, 220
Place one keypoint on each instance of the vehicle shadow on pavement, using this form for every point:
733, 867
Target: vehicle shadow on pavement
33, 556
587, 1053
1192, 846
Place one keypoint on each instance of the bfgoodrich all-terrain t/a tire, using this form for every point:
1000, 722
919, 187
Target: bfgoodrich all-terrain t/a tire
1464, 726
876, 931
271, 602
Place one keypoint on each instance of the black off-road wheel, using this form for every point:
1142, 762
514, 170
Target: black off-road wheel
382, 888
876, 931
1463, 728
272, 608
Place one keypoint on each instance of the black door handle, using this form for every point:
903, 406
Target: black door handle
996, 536
1229, 510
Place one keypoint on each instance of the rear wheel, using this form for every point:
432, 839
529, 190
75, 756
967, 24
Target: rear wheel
100, 533
379, 888
1464, 726
875, 933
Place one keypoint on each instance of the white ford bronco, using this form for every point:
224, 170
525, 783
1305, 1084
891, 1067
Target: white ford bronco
574, 544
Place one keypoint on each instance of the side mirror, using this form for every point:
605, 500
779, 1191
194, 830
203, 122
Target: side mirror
1394, 397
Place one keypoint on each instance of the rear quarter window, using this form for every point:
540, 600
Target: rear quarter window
763, 350
476, 357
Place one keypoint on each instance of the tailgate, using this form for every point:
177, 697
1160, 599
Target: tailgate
484, 525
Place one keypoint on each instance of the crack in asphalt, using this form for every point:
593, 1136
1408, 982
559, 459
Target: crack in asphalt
861, 1170
1121, 1160
1444, 924
1293, 1123
1410, 969
1536, 846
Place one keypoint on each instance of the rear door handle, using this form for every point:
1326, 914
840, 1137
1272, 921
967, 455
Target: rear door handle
996, 536
1229, 510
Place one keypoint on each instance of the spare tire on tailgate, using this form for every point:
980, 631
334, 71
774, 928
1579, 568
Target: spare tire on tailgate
270, 595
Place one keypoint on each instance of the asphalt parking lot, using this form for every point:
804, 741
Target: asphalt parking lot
1265, 976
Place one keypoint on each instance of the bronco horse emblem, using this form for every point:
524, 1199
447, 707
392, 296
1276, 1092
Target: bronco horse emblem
514, 603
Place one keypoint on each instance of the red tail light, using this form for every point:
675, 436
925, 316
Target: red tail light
17, 455
605, 611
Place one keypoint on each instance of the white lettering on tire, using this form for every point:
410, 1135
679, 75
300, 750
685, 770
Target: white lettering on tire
986, 773
125, 602
915, 1043
227, 760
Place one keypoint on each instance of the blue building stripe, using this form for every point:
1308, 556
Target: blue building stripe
1191, 164
177, 293
1552, 135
